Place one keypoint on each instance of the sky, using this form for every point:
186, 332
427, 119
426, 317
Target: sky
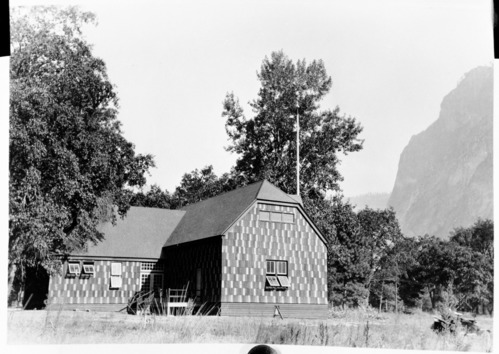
391, 62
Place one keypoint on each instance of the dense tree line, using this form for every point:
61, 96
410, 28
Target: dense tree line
456, 273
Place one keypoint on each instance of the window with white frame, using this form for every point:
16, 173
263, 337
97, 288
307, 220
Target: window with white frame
282, 267
283, 280
116, 272
277, 275
74, 268
272, 280
89, 269
116, 269
270, 267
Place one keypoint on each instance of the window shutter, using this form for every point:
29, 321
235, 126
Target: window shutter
116, 269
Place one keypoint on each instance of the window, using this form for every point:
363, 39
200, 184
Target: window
264, 215
270, 267
284, 280
74, 268
282, 267
116, 281
275, 216
151, 281
116, 269
277, 275
153, 266
272, 280
145, 284
288, 218
151, 277
88, 268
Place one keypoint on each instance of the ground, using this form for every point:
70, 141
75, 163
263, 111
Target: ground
344, 329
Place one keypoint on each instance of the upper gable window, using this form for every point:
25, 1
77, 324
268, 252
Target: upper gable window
276, 216
289, 218
264, 215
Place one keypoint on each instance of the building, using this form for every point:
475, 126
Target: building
243, 252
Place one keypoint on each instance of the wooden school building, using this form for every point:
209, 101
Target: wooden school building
243, 252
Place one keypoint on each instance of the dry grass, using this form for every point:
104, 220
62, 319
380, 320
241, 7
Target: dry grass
345, 329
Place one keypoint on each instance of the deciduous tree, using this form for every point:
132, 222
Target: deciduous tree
202, 184
266, 143
69, 161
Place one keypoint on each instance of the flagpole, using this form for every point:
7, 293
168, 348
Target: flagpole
297, 153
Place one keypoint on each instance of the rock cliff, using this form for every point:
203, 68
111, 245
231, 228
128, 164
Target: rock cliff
444, 177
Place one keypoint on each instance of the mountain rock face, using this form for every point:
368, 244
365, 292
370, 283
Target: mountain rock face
444, 178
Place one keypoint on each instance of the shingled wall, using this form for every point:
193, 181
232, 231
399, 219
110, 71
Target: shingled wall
94, 292
247, 246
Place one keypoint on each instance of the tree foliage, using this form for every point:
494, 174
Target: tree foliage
456, 273
69, 161
202, 184
361, 246
195, 186
154, 198
266, 143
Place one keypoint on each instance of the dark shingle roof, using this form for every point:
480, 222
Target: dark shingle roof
145, 231
212, 217
141, 234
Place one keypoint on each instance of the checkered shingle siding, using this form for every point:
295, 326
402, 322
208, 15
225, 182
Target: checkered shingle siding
250, 242
95, 290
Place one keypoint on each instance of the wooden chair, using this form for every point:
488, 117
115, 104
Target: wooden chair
175, 299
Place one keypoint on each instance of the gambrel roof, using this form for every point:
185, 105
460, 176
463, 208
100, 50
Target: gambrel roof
214, 216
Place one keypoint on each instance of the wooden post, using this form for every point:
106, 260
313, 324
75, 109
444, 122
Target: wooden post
167, 300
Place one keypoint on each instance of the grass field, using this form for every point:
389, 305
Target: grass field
345, 329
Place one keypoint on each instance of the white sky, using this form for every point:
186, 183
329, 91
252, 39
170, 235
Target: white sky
391, 63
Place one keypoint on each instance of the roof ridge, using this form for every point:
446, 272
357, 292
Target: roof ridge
221, 195
153, 208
